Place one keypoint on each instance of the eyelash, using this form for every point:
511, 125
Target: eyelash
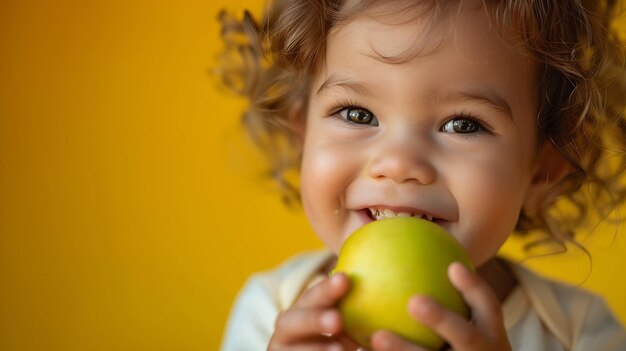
483, 126
342, 105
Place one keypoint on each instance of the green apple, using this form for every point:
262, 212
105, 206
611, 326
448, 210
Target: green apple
390, 260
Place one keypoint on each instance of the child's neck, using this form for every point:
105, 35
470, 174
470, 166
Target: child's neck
498, 275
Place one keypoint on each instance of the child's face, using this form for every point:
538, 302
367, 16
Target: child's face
450, 133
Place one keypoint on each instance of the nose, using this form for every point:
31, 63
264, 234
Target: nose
403, 161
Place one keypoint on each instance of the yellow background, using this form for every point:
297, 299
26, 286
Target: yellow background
131, 207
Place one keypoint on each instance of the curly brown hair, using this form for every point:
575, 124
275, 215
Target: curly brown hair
582, 89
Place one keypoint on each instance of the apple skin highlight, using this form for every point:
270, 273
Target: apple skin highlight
390, 260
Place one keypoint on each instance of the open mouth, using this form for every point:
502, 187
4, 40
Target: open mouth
381, 213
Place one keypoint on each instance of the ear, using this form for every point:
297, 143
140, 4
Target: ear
550, 168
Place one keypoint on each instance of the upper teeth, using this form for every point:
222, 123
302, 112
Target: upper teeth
385, 213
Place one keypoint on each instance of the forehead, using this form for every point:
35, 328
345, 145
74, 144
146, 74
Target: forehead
396, 31
399, 31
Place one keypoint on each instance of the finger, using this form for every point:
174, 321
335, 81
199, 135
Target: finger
486, 309
450, 326
325, 293
387, 341
318, 346
297, 324
347, 342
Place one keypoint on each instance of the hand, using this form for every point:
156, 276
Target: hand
313, 323
486, 332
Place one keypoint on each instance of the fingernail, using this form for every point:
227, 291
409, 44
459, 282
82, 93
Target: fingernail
423, 305
328, 320
383, 341
335, 280
461, 268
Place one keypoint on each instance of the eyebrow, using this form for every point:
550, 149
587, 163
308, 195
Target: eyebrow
335, 81
481, 95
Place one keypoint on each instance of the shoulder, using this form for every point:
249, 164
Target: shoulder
577, 318
283, 283
264, 295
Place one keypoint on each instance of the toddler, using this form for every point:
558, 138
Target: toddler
475, 115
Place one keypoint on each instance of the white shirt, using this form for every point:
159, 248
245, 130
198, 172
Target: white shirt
539, 314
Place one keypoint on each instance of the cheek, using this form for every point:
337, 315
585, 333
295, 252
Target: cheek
326, 172
495, 171
497, 205
490, 195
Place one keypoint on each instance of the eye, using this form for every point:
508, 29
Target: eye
463, 125
358, 115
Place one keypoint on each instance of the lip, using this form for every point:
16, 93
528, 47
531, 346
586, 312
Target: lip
364, 216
